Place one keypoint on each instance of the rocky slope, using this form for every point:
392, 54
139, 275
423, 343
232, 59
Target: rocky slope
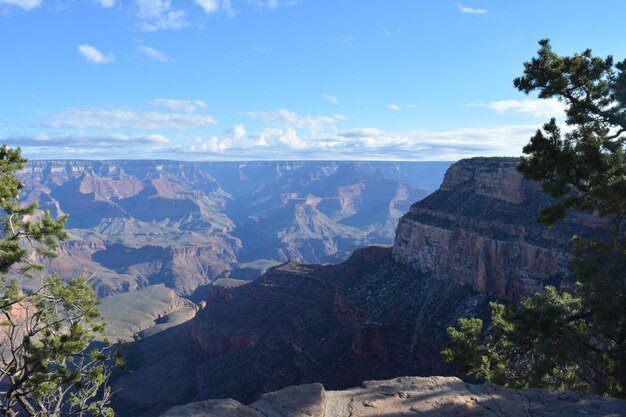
380, 314
409, 397
153, 309
368, 317
182, 224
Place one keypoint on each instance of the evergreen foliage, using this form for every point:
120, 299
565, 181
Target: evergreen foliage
559, 340
47, 367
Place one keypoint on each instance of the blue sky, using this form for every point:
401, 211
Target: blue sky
283, 79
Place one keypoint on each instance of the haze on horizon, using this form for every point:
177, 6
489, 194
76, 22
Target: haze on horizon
283, 79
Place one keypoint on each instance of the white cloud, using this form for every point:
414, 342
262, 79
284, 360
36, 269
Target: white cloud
396, 107
159, 14
330, 98
106, 3
209, 6
123, 118
93, 55
238, 139
187, 106
214, 6
23, 4
288, 118
153, 53
470, 10
537, 108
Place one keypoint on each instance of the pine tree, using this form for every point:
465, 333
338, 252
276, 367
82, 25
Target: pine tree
560, 340
47, 367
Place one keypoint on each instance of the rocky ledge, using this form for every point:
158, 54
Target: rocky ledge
410, 396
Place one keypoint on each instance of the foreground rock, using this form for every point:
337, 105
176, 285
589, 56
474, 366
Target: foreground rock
410, 396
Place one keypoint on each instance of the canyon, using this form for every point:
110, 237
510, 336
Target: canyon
380, 314
185, 224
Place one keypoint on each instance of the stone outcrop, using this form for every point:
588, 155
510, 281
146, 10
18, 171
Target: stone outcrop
409, 397
479, 229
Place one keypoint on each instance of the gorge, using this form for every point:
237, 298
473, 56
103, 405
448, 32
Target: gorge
185, 224
380, 314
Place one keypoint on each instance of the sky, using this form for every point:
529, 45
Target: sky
283, 79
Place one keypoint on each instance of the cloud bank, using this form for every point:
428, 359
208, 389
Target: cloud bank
179, 129
360, 144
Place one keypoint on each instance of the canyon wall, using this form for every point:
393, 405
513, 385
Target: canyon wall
479, 229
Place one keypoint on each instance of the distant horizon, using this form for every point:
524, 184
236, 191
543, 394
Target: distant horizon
256, 160
284, 79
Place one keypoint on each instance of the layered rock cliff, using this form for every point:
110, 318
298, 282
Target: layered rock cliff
409, 397
479, 229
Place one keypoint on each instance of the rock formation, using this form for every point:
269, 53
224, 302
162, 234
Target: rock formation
409, 397
479, 229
